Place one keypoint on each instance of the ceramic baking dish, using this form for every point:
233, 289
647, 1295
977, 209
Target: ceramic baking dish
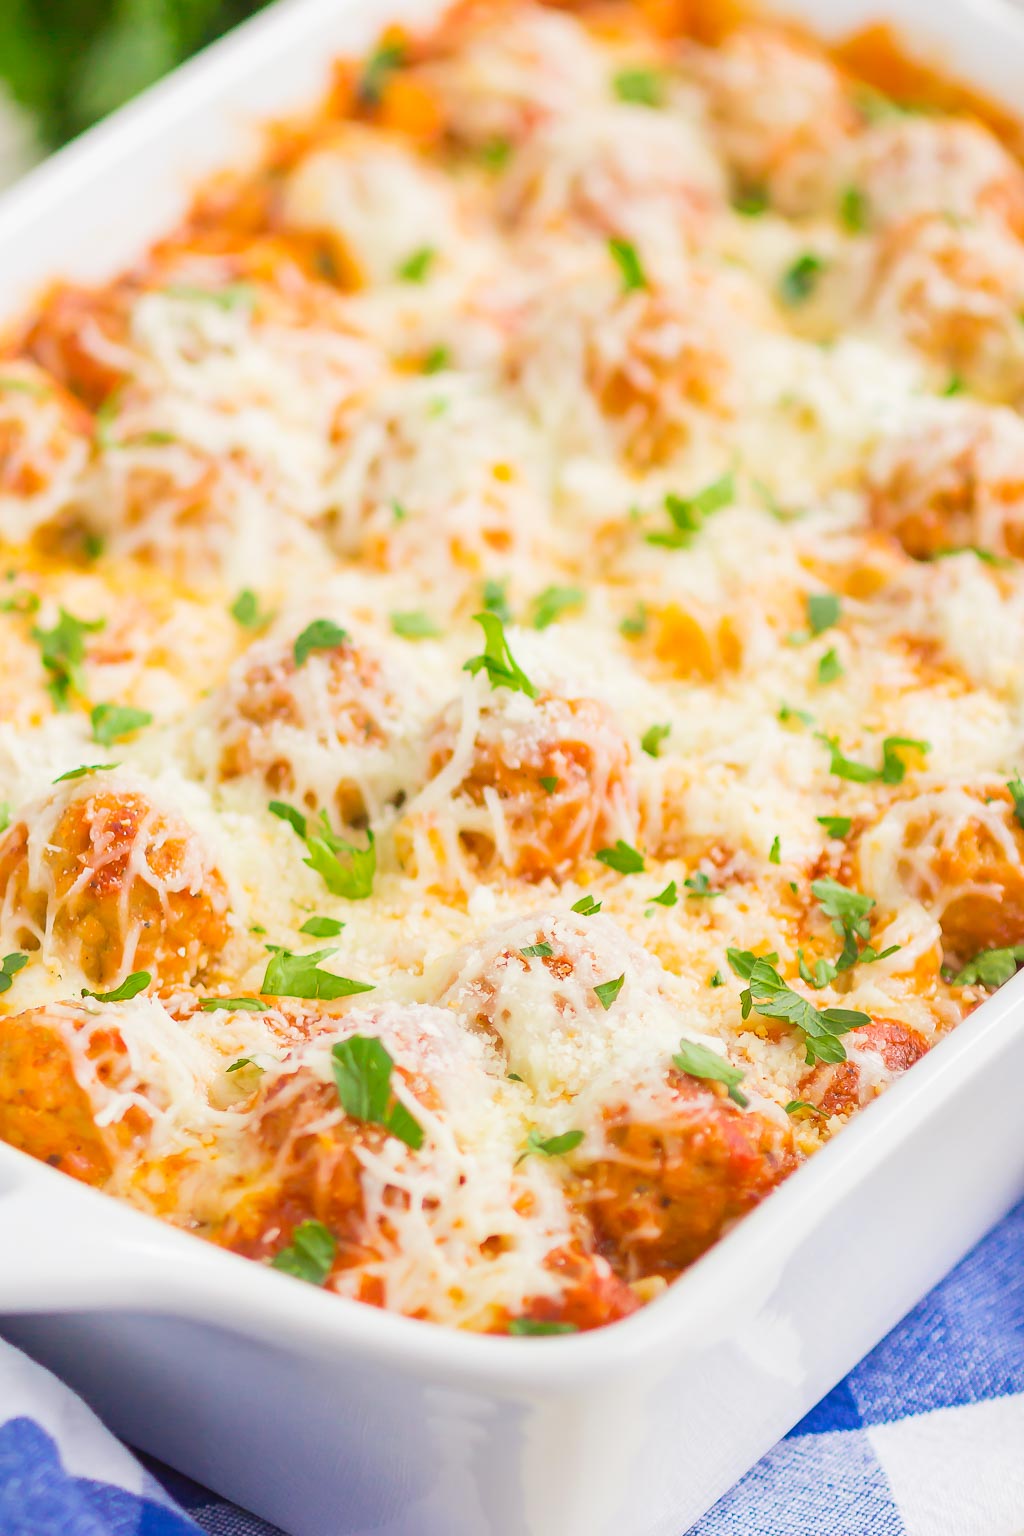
334, 1419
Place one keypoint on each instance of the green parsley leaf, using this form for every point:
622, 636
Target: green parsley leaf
634, 625
829, 667
751, 202
379, 67
494, 600
642, 87
835, 826
503, 671
716, 979
436, 360
288, 813
310, 1255
699, 886
533, 1328
742, 961
586, 906
698, 1061
893, 766
290, 975
607, 991
322, 927
112, 722
416, 268
687, 514
5, 815
552, 1146
775, 851
246, 611
346, 869
652, 738
787, 713
10, 965
362, 1071
550, 604
622, 858
990, 967
232, 1005
1016, 789
243, 1062
230, 296
800, 279
823, 610
80, 773
321, 635
548, 783
669, 896
766, 993
536, 951
853, 210
416, 625
624, 254
132, 985
495, 154
62, 652
801, 1108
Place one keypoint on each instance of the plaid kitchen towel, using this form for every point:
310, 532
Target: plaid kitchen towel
924, 1438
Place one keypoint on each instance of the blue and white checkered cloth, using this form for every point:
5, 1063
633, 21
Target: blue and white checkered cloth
924, 1438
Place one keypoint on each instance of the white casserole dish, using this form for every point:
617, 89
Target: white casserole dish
333, 1419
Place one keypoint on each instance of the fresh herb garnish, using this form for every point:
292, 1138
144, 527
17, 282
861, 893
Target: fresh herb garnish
80, 773
537, 951
62, 652
586, 906
698, 887
322, 927
112, 722
642, 87
377, 71
607, 991
767, 994
10, 965
893, 766
669, 896
552, 1146
290, 975
624, 254
310, 1255
698, 1061
622, 858
503, 671
550, 604
751, 202
416, 625
652, 738
346, 869
634, 625
990, 967
243, 1062
132, 985
853, 209
823, 610
321, 635
835, 826
800, 279
548, 783
533, 1328
687, 514
829, 667
742, 961
246, 611
1016, 789
232, 1005
495, 600
775, 851
362, 1071
416, 268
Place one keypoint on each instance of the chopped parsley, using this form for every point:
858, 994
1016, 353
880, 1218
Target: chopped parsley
716, 979
990, 968
62, 652
767, 994
848, 911
246, 610
829, 667
853, 209
550, 604
232, 1005
362, 1071
244, 1062
835, 826
132, 985
290, 975
10, 965
801, 1108
552, 1146
112, 722
495, 154
775, 851
5, 815
377, 71
1016, 789
624, 254
80, 773
231, 296
742, 961
823, 610
687, 514
751, 202
642, 87
310, 1254
503, 671
634, 625
698, 1061
416, 268
622, 858
345, 868
669, 896
537, 951
437, 359
800, 279
586, 906
415, 625
321, 635
652, 738
322, 927
699, 887
607, 991
787, 713
893, 767
535, 1328
495, 600
548, 783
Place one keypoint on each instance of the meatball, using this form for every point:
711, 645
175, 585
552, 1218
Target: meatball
955, 291
875, 1055
337, 729
99, 876
912, 164
545, 783
47, 1111
781, 114
670, 1185
955, 479
45, 439
958, 850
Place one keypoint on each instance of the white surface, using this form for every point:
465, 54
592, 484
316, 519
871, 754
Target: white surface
338, 1420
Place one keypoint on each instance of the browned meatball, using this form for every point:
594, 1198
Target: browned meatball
841, 1088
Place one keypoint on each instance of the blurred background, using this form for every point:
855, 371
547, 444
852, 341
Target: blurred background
66, 63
